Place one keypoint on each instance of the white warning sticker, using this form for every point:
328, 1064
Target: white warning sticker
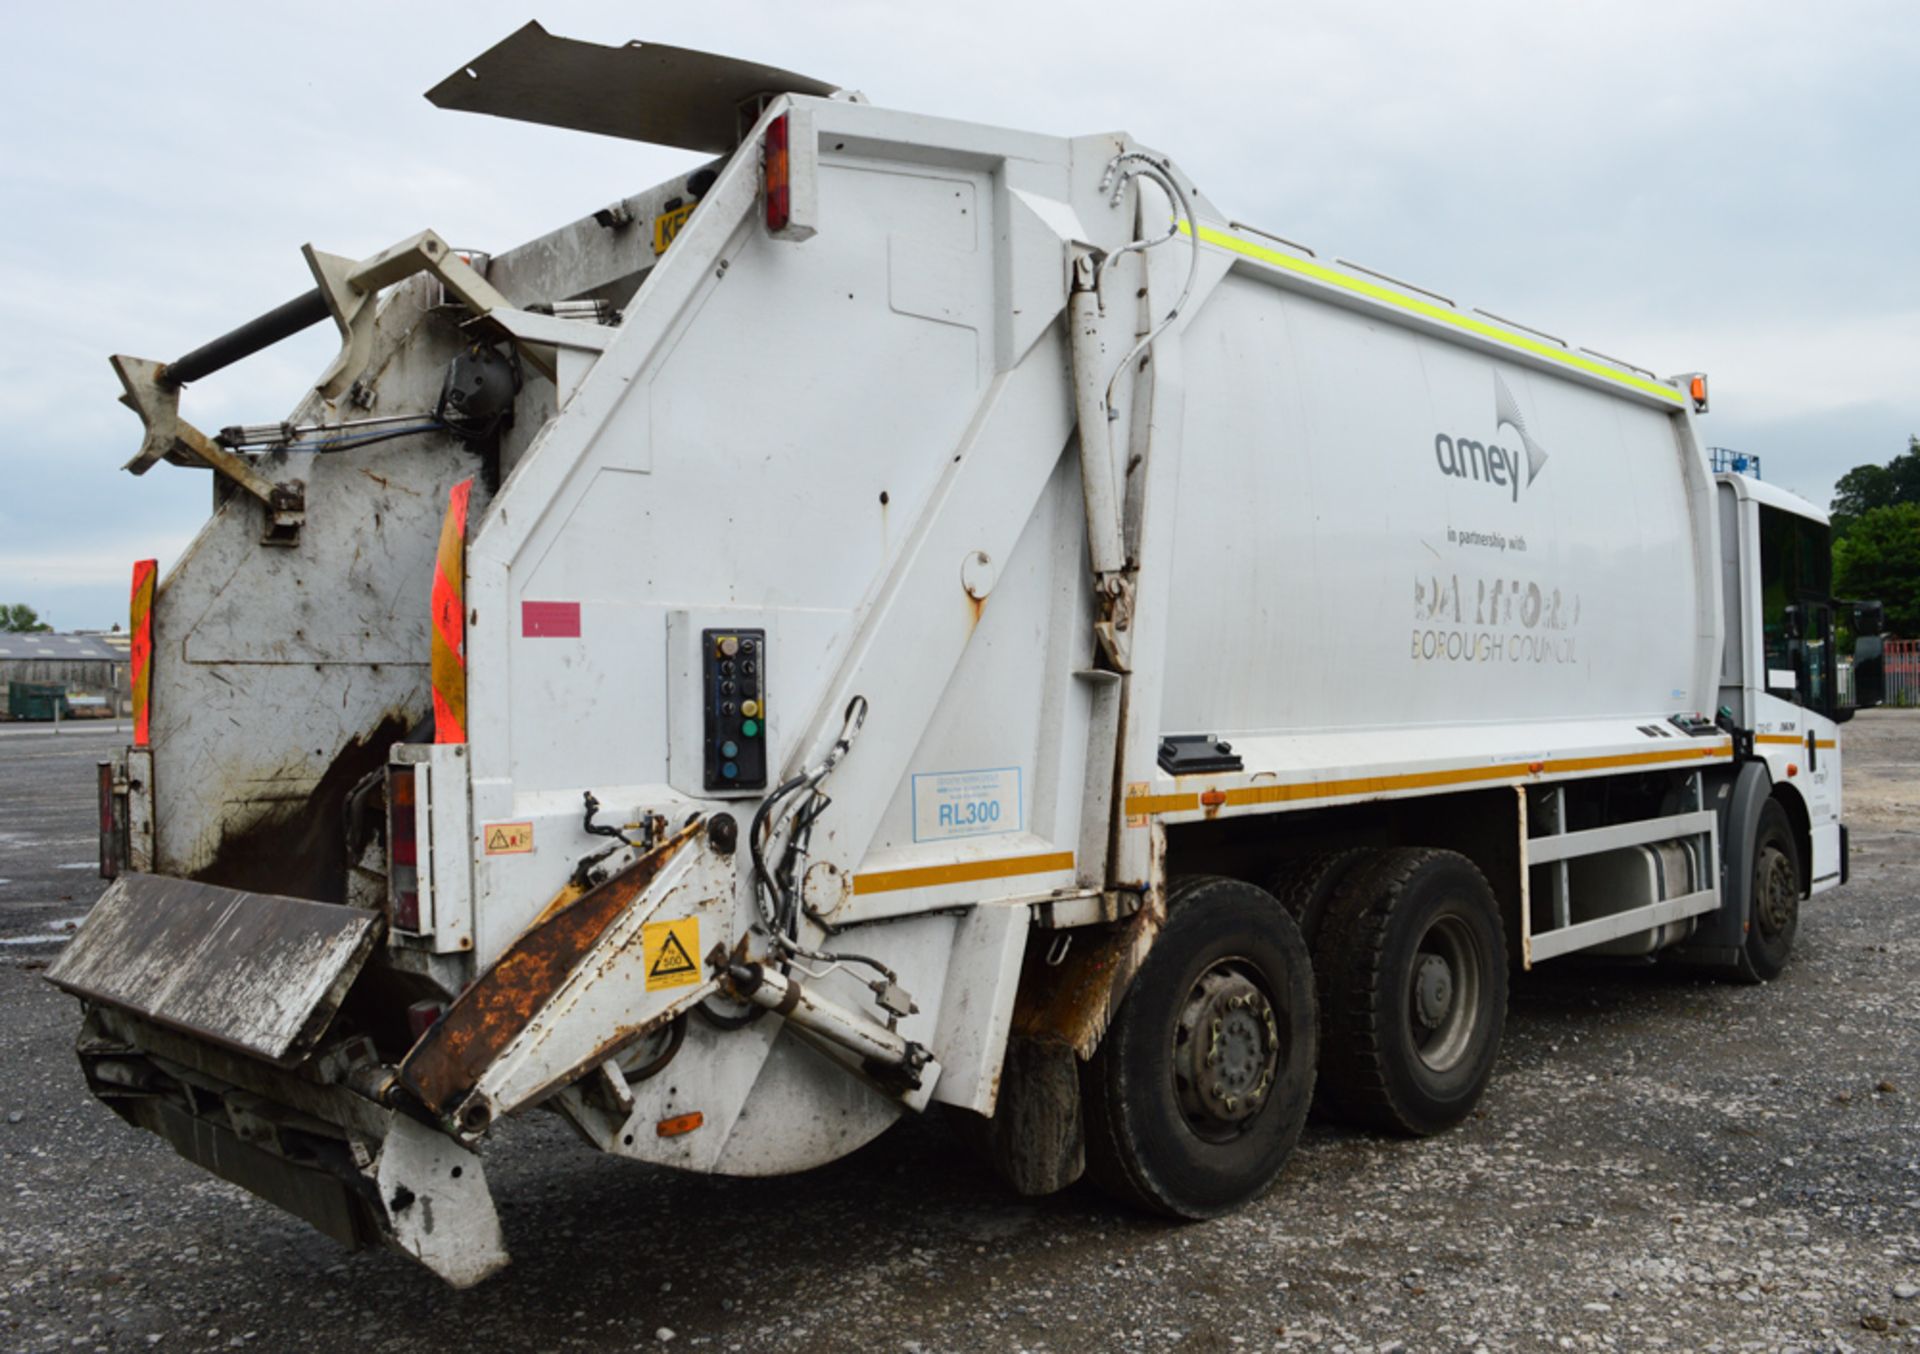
949, 804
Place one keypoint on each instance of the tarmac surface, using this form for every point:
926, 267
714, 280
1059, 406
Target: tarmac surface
1663, 1162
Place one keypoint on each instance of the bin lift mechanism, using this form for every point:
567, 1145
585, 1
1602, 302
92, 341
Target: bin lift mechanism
347, 291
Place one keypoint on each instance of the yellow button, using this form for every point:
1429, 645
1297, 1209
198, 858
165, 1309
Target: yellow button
749, 708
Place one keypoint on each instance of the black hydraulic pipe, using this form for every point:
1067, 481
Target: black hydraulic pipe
303, 312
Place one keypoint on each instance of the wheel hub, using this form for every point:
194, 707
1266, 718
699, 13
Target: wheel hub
1226, 1051
1433, 991
1445, 991
1779, 893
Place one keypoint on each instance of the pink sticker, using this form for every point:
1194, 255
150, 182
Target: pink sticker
550, 620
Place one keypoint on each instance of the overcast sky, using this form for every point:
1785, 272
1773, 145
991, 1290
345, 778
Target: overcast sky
1730, 187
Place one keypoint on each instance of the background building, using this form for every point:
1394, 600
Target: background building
93, 669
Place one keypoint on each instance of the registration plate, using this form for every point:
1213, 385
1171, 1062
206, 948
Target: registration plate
667, 225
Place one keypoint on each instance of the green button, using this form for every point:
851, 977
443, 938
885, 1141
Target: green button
749, 728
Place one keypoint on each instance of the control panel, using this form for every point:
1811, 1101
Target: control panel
734, 679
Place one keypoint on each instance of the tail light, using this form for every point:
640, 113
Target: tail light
778, 169
403, 851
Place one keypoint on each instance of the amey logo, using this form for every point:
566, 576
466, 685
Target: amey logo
1464, 458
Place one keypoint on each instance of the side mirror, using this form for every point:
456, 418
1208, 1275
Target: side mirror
1869, 618
1869, 672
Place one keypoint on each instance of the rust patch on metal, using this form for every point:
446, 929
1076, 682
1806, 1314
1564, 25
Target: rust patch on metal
297, 848
1073, 1003
570, 893
448, 1061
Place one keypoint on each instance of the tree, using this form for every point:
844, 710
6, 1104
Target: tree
1866, 487
1879, 560
20, 619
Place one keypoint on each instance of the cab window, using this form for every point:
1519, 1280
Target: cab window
1796, 608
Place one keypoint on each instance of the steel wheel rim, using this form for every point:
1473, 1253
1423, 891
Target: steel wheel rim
1444, 994
1778, 893
1226, 1050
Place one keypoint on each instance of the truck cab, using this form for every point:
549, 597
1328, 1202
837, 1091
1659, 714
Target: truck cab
1782, 676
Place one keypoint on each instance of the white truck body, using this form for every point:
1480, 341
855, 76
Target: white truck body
1421, 568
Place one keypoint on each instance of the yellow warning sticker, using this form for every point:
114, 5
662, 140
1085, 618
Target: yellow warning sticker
669, 948
509, 839
1136, 790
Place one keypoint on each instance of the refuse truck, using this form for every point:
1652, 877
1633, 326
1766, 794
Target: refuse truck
904, 614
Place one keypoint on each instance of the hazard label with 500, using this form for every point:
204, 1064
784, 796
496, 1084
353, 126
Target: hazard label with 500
668, 948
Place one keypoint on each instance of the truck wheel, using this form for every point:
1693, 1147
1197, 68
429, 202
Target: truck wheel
1305, 887
1196, 1096
1775, 909
1415, 980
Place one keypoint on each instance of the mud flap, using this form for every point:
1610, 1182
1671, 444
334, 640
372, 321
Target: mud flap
257, 973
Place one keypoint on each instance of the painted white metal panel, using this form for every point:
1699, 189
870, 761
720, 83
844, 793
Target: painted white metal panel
1348, 558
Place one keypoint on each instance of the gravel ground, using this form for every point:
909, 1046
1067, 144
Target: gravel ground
1662, 1162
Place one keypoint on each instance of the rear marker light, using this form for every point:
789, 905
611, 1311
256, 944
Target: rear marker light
679, 1124
779, 199
403, 850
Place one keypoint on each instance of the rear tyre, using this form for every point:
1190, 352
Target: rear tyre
1305, 887
1197, 1094
1414, 967
1773, 918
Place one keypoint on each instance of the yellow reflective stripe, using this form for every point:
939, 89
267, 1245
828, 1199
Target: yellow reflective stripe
1244, 795
1374, 291
961, 872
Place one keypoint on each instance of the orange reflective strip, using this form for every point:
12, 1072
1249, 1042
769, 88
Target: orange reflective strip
450, 621
961, 872
1139, 805
1794, 740
140, 627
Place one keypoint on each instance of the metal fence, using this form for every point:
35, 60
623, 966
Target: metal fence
1903, 672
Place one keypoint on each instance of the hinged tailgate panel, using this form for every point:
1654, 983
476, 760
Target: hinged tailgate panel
256, 972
